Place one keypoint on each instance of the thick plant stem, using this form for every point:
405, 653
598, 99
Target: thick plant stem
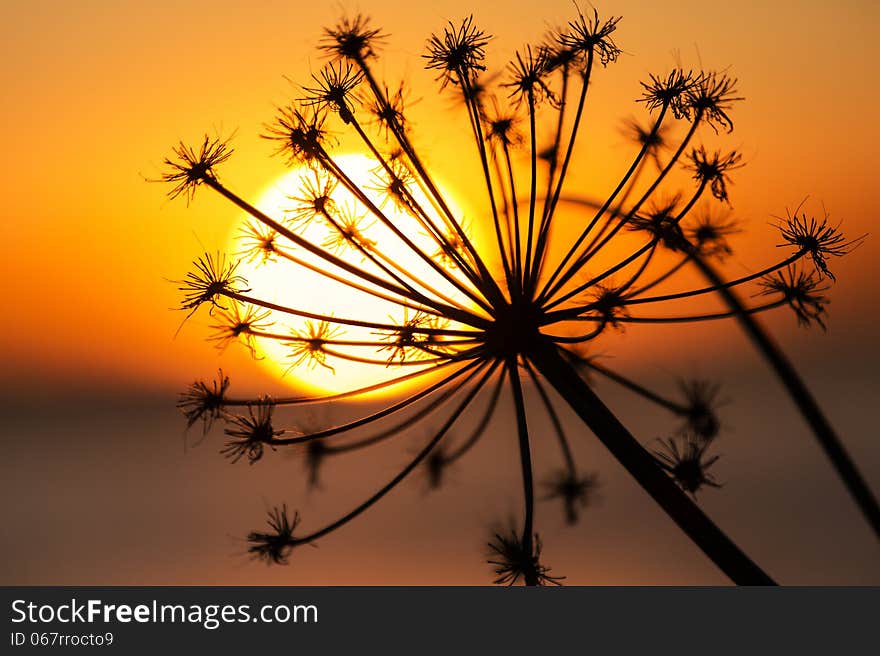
641, 465
797, 389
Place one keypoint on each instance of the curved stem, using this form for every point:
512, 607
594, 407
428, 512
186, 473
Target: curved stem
427, 183
806, 403
480, 428
347, 322
547, 217
707, 290
368, 389
405, 471
643, 467
453, 312
554, 419
389, 410
547, 290
525, 456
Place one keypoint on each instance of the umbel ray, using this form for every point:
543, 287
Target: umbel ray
475, 320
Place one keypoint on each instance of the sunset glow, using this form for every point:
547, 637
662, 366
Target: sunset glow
280, 280
110, 340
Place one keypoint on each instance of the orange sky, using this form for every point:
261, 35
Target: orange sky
98, 92
95, 95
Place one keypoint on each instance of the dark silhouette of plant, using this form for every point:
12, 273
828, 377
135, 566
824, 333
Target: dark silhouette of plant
474, 321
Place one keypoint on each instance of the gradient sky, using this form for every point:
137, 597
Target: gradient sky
97, 93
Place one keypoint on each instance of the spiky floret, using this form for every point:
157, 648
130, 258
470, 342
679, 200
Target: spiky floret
592, 35
213, 276
204, 401
711, 97
352, 38
652, 139
458, 54
239, 322
684, 459
819, 240
527, 77
316, 199
802, 291
300, 134
274, 546
249, 434
668, 91
662, 223
712, 169
513, 560
350, 231
608, 303
709, 235
410, 338
576, 491
259, 242
701, 404
334, 90
310, 345
192, 167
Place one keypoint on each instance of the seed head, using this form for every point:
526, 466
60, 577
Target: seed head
300, 134
669, 91
802, 292
711, 97
315, 199
388, 110
709, 234
335, 90
352, 38
712, 169
527, 75
652, 140
458, 54
309, 345
818, 239
238, 323
701, 404
410, 339
575, 491
609, 303
684, 458
212, 277
587, 35
435, 467
315, 454
260, 243
192, 167
274, 547
204, 401
351, 231
661, 222
513, 560
249, 433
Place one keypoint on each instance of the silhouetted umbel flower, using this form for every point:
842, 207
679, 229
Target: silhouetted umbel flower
250, 433
192, 167
274, 546
802, 292
818, 240
459, 53
204, 401
685, 460
479, 328
513, 560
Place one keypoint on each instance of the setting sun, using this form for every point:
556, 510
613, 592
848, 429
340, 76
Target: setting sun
292, 277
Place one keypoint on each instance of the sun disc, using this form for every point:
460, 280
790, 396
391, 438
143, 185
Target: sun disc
281, 281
